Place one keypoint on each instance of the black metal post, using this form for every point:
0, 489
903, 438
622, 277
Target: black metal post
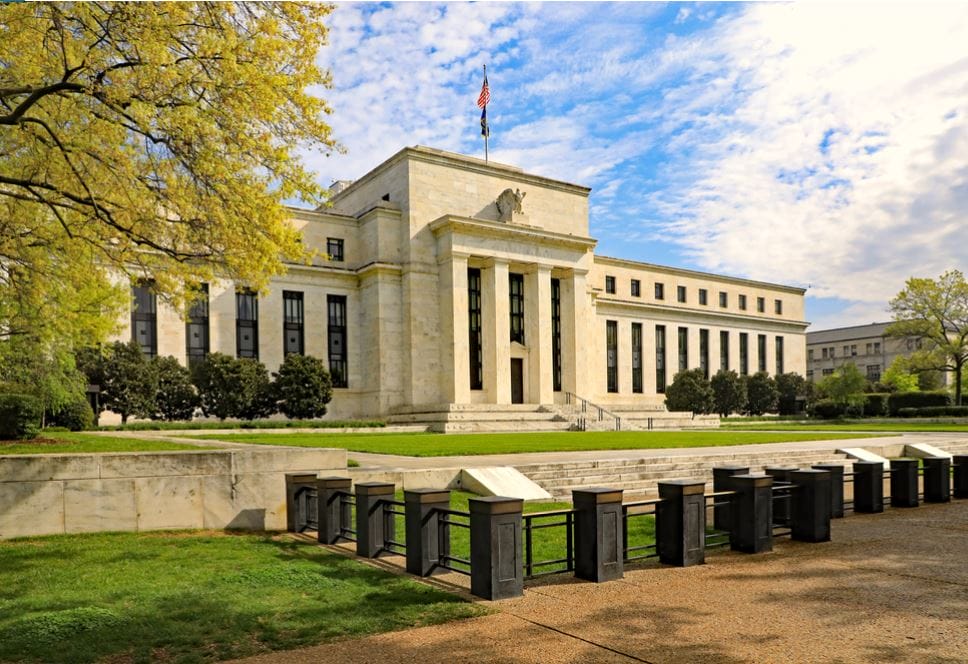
868, 486
904, 482
497, 571
372, 528
937, 479
295, 482
330, 508
598, 534
810, 505
781, 507
721, 482
836, 488
960, 464
680, 523
422, 522
752, 512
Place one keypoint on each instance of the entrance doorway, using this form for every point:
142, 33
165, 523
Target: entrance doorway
517, 380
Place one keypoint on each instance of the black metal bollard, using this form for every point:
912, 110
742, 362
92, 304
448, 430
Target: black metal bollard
295, 483
937, 479
960, 464
868, 486
904, 482
810, 505
425, 546
721, 482
680, 523
598, 534
752, 512
372, 528
497, 571
836, 488
331, 511
781, 504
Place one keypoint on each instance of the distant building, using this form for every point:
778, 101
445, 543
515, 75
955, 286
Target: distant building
866, 346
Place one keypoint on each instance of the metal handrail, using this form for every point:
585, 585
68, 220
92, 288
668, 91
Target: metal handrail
627, 550
599, 410
444, 521
529, 527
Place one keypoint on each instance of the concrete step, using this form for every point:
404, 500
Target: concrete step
470, 408
480, 426
681, 461
475, 416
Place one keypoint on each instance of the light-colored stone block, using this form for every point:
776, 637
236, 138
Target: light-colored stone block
169, 502
40, 468
164, 464
100, 505
31, 508
923, 450
501, 481
860, 454
254, 501
285, 460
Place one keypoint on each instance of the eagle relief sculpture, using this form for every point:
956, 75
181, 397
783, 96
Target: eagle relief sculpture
509, 203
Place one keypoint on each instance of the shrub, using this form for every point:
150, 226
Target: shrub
761, 394
827, 409
790, 387
875, 404
231, 387
934, 411
729, 392
19, 416
177, 398
690, 391
258, 396
303, 387
76, 415
900, 400
129, 385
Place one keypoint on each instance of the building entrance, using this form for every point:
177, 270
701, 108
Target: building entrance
517, 380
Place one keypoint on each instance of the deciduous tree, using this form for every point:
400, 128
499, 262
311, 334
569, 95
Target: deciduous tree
729, 392
761, 393
690, 391
303, 387
130, 384
844, 387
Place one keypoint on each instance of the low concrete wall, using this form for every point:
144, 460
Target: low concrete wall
239, 489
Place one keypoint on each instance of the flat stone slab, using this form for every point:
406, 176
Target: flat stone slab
922, 450
861, 454
501, 481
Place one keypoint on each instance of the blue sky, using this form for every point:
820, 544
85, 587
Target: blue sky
822, 145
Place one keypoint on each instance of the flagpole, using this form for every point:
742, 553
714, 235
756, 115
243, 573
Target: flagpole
488, 130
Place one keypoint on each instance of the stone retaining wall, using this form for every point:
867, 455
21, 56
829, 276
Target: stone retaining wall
78, 493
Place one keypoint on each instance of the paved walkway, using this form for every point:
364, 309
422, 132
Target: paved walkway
890, 587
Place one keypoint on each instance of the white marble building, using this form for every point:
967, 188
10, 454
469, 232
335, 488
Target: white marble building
433, 294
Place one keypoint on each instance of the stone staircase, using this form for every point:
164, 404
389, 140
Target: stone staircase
639, 477
587, 416
480, 418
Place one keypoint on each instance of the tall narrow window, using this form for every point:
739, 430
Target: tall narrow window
660, 369
659, 291
144, 318
516, 288
683, 348
637, 357
610, 284
474, 339
556, 334
744, 356
636, 288
196, 329
292, 326
742, 303
611, 354
778, 307
779, 355
761, 352
680, 293
761, 304
723, 299
724, 350
246, 324
338, 370
334, 247
704, 352
703, 296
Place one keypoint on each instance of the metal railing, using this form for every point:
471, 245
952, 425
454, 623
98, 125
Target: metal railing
586, 407
307, 509
714, 537
347, 503
391, 510
782, 493
529, 527
632, 510
445, 519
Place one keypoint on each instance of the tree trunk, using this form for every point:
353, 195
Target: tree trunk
958, 367
124, 418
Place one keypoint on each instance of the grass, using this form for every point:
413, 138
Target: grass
195, 597
85, 443
246, 424
429, 444
865, 425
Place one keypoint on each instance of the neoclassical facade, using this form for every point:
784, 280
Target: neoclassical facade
449, 280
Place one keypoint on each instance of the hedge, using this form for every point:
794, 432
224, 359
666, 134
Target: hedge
875, 404
934, 411
900, 400
19, 416
827, 409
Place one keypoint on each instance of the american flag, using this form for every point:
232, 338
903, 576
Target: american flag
485, 95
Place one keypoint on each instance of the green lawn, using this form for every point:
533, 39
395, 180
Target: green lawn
430, 444
899, 426
84, 443
195, 597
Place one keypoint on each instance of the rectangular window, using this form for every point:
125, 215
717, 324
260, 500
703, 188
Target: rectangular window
292, 309
196, 329
556, 334
610, 285
742, 303
611, 354
144, 318
703, 296
247, 324
681, 293
636, 288
637, 357
810, 355
761, 352
516, 291
724, 350
778, 307
660, 370
761, 304
660, 291
704, 352
779, 355
723, 299
823, 353
810, 375
744, 354
853, 350
336, 333
334, 247
683, 348
827, 372
877, 347
846, 351
868, 348
475, 342
873, 372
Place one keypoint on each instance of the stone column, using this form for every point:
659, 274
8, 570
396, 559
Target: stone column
598, 534
574, 333
810, 505
680, 523
497, 571
752, 514
537, 334
904, 482
937, 479
296, 484
332, 513
496, 327
959, 463
868, 487
722, 519
455, 362
422, 519
373, 529
836, 471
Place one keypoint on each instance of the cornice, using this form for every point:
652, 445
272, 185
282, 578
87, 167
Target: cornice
715, 317
498, 229
623, 262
